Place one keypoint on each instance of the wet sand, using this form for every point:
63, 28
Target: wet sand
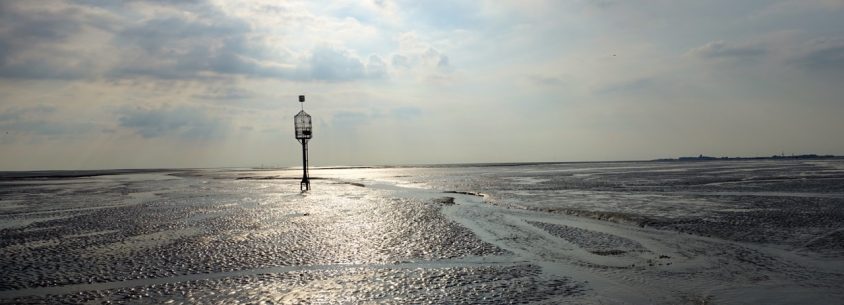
416, 236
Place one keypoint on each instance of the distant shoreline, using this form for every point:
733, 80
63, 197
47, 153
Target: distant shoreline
774, 157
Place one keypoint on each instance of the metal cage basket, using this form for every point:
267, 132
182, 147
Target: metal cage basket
302, 122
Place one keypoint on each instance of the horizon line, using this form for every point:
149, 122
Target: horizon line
435, 165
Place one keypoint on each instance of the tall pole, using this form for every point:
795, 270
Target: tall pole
306, 183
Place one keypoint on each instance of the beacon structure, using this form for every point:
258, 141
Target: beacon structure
302, 124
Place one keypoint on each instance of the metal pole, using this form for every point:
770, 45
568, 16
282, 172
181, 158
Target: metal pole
306, 183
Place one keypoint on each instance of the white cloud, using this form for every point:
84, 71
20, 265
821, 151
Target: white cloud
720, 49
184, 122
825, 55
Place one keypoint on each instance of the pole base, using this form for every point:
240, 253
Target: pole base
305, 185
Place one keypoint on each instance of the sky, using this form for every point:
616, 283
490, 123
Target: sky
90, 84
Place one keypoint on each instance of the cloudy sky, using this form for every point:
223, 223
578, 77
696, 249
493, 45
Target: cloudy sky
206, 83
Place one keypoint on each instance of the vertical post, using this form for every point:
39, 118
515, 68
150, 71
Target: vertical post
306, 183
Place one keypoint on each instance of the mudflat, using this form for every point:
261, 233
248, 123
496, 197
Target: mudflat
733, 232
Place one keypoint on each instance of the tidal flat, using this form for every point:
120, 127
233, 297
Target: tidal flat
714, 232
